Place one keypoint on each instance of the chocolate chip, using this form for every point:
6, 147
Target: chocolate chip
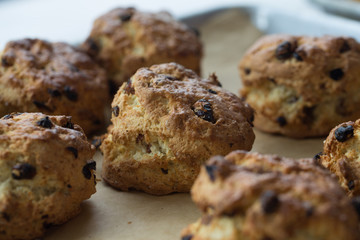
128, 88
345, 47
69, 125
281, 121
202, 109
336, 74
87, 169
70, 93
247, 71
297, 57
23, 171
6, 216
284, 50
210, 169
54, 92
356, 204
42, 106
73, 150
125, 17
269, 202
115, 111
187, 237
212, 91
45, 122
164, 171
351, 185
343, 133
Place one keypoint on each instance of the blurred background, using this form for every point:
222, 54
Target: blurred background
70, 21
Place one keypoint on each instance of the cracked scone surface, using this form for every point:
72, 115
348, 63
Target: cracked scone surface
124, 40
341, 155
302, 86
46, 171
53, 78
166, 122
249, 196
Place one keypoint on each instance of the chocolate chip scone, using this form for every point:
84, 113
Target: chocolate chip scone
302, 86
53, 78
167, 121
341, 155
124, 40
46, 171
257, 197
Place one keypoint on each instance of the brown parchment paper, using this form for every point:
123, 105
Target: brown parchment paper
112, 214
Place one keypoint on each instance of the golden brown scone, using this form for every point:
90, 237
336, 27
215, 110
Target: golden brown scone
124, 40
302, 86
166, 122
53, 78
46, 171
341, 155
249, 196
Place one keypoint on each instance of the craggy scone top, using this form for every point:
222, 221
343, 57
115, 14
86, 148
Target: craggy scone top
253, 196
125, 39
54, 78
46, 171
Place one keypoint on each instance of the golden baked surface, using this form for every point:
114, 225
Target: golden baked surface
46, 171
124, 39
53, 78
341, 155
166, 122
302, 86
249, 196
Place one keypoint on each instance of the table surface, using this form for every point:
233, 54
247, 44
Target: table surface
112, 214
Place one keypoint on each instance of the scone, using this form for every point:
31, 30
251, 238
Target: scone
257, 197
46, 171
341, 155
53, 78
167, 121
302, 86
124, 39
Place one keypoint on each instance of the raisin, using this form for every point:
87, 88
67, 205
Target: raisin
115, 111
5, 62
54, 92
87, 169
309, 210
187, 237
343, 133
44, 216
351, 185
281, 121
247, 71
202, 109
45, 122
284, 51
128, 88
341, 107
318, 156
356, 204
212, 91
272, 80
113, 87
292, 99
195, 31
336, 74
139, 138
69, 186
96, 142
6, 216
70, 93
269, 202
164, 171
125, 17
7, 116
148, 148
23, 171
308, 115
93, 47
42, 106
171, 78
210, 169
345, 47
73, 150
